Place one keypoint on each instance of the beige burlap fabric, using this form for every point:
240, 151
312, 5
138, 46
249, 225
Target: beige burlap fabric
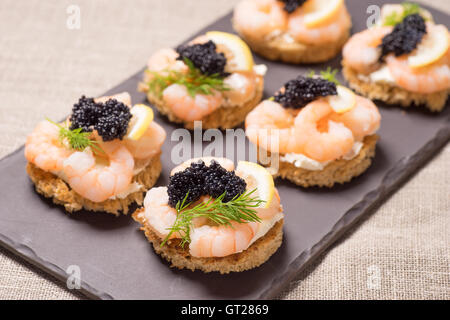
401, 252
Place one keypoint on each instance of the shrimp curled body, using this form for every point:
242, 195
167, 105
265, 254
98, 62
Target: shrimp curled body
44, 149
98, 183
315, 131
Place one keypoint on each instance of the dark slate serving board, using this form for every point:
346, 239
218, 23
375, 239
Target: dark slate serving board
117, 262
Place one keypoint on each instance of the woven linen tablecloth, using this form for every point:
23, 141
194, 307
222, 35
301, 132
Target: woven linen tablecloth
402, 251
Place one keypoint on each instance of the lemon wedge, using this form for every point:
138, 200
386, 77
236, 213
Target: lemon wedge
344, 101
142, 115
432, 47
238, 54
257, 177
317, 12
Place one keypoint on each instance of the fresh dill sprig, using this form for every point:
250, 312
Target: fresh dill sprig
76, 138
194, 81
240, 209
408, 9
329, 75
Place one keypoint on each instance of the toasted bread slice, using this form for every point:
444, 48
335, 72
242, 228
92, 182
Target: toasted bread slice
338, 171
258, 253
51, 186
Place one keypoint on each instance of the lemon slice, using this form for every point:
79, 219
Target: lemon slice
238, 54
344, 101
140, 120
317, 12
257, 177
432, 47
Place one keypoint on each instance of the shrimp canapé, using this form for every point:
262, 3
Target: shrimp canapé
94, 153
214, 71
404, 59
303, 31
311, 122
190, 213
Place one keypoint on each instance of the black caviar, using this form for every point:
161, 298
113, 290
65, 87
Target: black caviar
405, 37
110, 119
204, 57
291, 5
299, 92
198, 180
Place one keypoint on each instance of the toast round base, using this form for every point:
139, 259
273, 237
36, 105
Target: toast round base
51, 186
338, 171
395, 95
278, 49
258, 253
222, 118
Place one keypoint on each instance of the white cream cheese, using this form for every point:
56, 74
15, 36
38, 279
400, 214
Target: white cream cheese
260, 69
381, 75
304, 162
274, 34
288, 38
132, 187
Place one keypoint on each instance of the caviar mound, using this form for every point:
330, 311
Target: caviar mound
291, 5
198, 180
299, 92
204, 57
405, 36
110, 119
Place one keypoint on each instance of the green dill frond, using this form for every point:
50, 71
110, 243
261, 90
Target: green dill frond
76, 139
328, 74
408, 9
194, 81
240, 209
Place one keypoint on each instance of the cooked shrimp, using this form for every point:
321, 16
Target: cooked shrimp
165, 59
44, 149
188, 108
224, 162
98, 182
271, 127
149, 144
330, 32
361, 52
321, 138
221, 241
260, 18
362, 120
158, 213
433, 78
242, 87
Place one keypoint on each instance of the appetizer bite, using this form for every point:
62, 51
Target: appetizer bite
404, 59
317, 133
104, 157
212, 217
211, 79
293, 31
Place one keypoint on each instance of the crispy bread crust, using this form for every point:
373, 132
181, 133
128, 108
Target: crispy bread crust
393, 94
258, 253
338, 171
51, 186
